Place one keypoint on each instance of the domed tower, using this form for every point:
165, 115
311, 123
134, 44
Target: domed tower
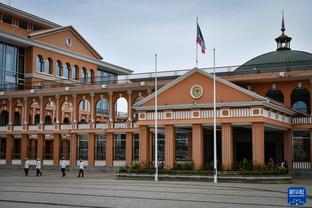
283, 59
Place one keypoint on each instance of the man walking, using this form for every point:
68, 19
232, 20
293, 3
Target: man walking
63, 166
81, 166
38, 167
26, 167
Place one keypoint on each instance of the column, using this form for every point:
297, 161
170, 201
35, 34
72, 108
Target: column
109, 149
145, 146
75, 109
58, 111
129, 142
73, 149
9, 149
40, 146
25, 111
189, 143
258, 144
56, 149
197, 146
41, 111
129, 105
227, 146
92, 108
110, 106
170, 146
288, 147
11, 112
24, 147
91, 146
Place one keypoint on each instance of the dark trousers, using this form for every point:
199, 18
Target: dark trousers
38, 172
26, 171
80, 173
63, 172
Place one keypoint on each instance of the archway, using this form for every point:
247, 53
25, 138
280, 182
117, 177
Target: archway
300, 100
17, 118
4, 118
121, 108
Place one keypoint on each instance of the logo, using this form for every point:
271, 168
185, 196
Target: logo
297, 196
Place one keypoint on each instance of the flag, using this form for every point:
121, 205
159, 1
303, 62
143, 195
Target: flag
200, 39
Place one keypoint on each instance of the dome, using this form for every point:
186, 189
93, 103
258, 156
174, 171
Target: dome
279, 60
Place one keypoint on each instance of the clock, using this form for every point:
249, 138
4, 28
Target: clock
196, 91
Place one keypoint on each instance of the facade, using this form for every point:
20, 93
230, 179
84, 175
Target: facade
60, 99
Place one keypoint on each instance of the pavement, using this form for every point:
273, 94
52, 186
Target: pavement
104, 190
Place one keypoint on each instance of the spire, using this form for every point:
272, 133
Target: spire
283, 23
283, 41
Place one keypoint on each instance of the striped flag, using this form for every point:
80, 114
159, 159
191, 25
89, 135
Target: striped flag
200, 39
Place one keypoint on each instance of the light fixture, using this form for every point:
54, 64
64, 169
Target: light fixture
142, 84
103, 86
66, 89
2, 93
282, 74
32, 91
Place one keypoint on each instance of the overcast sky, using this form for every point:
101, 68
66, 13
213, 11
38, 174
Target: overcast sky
129, 32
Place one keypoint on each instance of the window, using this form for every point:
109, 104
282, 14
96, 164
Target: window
82, 147
59, 68
22, 24
276, 95
48, 153
301, 106
37, 119
48, 66
100, 147
2, 148
102, 106
103, 77
7, 18
136, 147
84, 75
75, 73
182, 146
48, 120
161, 146
65, 149
4, 118
39, 64
16, 148
17, 118
67, 71
301, 146
10, 59
119, 146
300, 100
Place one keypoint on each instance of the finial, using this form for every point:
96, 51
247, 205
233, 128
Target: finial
283, 24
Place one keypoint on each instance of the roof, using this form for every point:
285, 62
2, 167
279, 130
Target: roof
27, 15
280, 59
59, 29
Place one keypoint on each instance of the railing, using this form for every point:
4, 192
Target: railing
117, 163
48, 127
18, 128
84, 126
120, 125
121, 115
33, 127
302, 120
101, 126
301, 165
4, 128
66, 126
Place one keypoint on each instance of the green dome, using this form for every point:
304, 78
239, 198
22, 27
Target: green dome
279, 60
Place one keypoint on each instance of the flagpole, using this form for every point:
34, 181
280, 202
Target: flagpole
214, 120
196, 43
156, 127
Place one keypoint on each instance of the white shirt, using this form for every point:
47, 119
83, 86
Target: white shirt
27, 164
81, 166
38, 164
63, 164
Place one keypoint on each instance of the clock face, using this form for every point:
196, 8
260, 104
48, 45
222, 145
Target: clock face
196, 91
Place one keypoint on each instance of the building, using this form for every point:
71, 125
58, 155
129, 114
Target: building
60, 99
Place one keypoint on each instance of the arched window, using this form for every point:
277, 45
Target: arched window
84, 75
48, 66
67, 71
65, 120
59, 68
75, 72
4, 118
102, 106
276, 95
37, 119
300, 100
91, 76
121, 108
17, 118
48, 120
39, 63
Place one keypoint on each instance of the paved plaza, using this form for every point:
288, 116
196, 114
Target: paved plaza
104, 190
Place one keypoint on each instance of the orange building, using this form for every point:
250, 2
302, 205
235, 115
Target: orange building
60, 99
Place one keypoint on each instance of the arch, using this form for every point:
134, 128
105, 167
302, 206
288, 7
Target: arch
66, 120
102, 106
84, 105
75, 74
300, 100
67, 71
84, 75
91, 76
276, 95
59, 68
39, 63
37, 119
4, 118
17, 118
121, 108
48, 66
48, 120
82, 121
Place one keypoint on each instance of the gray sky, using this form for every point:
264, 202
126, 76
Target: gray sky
129, 32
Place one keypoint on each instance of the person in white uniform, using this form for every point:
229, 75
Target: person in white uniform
81, 167
63, 166
26, 167
38, 167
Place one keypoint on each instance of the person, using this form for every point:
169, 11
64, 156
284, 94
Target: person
38, 167
63, 166
81, 166
26, 167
